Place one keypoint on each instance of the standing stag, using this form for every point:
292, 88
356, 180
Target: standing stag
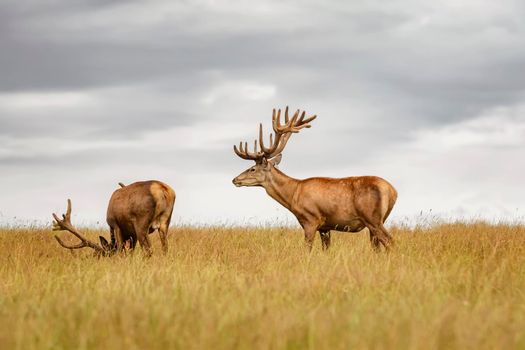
134, 211
320, 204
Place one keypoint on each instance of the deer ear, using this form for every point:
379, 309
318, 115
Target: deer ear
277, 159
104, 243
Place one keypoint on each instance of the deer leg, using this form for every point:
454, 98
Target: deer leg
142, 233
118, 238
390, 238
376, 245
325, 239
163, 234
309, 235
380, 236
129, 244
145, 244
133, 240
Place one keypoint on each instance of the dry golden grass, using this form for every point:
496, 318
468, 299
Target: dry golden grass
449, 286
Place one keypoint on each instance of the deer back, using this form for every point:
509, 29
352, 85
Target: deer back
145, 200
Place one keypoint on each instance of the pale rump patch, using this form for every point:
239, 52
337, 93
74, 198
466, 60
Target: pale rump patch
164, 198
385, 198
158, 193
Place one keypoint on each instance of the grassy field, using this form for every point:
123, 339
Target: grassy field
449, 286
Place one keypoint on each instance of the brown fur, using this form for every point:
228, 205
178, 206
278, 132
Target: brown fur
323, 204
319, 203
136, 210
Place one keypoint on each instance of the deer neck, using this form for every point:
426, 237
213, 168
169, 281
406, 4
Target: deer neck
281, 187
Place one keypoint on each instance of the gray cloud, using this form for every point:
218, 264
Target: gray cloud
165, 85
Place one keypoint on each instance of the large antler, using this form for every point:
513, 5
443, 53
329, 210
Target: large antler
282, 135
65, 225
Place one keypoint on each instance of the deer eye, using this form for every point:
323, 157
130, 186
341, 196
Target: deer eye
252, 170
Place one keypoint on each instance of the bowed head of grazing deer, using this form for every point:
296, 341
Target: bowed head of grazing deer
320, 204
64, 224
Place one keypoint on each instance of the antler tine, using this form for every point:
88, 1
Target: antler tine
243, 152
265, 150
238, 151
295, 124
284, 131
65, 225
294, 120
308, 120
279, 145
68, 211
288, 125
269, 152
302, 117
261, 141
282, 135
276, 121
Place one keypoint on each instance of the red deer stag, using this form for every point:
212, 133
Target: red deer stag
320, 204
134, 211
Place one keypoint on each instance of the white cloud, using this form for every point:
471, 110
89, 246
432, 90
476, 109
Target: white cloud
240, 90
96, 92
468, 169
49, 100
498, 127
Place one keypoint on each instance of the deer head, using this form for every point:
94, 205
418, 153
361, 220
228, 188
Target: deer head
268, 157
104, 249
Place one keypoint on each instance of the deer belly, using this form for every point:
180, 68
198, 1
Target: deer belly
354, 225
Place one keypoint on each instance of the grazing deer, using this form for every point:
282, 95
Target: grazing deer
320, 204
134, 211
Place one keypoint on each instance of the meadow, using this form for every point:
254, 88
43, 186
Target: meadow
446, 286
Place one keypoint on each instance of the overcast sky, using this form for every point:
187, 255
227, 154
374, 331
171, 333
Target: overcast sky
429, 95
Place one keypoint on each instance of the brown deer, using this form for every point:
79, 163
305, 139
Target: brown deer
320, 204
134, 211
